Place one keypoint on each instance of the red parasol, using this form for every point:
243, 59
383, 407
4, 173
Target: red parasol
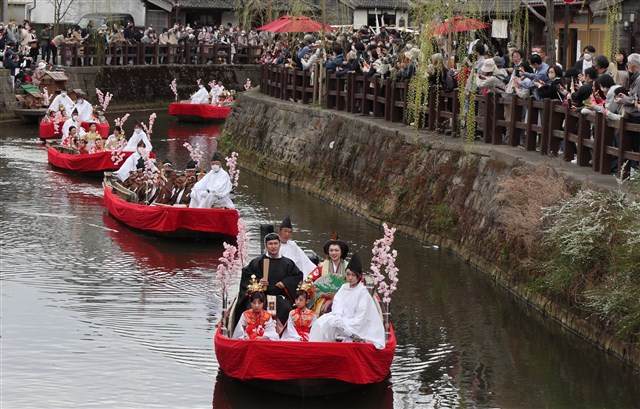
294, 24
458, 24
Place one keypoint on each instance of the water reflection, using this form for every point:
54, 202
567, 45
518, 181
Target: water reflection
232, 394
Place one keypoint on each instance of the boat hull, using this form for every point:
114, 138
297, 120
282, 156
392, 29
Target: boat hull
309, 369
198, 112
92, 163
173, 222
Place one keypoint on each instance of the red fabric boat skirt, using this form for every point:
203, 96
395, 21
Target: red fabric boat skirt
165, 219
206, 111
103, 129
92, 162
48, 131
351, 362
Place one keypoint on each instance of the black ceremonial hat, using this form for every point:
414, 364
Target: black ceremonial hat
217, 157
354, 264
286, 223
191, 165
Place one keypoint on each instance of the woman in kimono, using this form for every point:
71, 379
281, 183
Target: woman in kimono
354, 316
329, 276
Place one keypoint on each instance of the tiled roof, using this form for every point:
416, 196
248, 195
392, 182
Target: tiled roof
204, 4
380, 4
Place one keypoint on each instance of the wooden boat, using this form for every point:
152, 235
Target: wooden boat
302, 368
68, 158
168, 221
188, 112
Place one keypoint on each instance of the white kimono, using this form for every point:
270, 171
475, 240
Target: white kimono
269, 330
85, 111
64, 100
132, 143
128, 165
212, 191
68, 124
291, 250
353, 315
200, 97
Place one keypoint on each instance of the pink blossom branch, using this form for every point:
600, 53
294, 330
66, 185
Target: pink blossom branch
232, 165
383, 264
232, 260
195, 152
120, 122
174, 88
46, 97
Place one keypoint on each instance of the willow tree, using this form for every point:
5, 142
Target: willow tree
261, 12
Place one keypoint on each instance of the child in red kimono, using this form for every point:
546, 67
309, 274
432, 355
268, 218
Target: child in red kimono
256, 323
301, 319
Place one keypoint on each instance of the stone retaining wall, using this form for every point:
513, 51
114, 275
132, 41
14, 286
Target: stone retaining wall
431, 187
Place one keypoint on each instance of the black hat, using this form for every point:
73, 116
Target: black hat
217, 157
137, 122
286, 223
167, 162
140, 164
191, 165
354, 264
344, 249
75, 111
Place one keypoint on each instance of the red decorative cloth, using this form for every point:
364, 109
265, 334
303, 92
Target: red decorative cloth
47, 130
199, 110
92, 162
169, 218
353, 362
102, 129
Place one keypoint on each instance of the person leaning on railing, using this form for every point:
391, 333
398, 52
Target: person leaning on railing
630, 103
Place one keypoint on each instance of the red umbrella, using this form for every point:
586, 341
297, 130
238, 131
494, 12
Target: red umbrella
294, 24
458, 24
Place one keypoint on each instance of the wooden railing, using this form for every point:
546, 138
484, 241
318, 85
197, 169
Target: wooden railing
535, 125
74, 55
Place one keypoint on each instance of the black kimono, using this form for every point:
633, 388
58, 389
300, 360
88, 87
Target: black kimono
280, 269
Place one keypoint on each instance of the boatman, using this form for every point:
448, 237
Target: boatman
183, 185
138, 135
281, 279
130, 163
201, 96
289, 248
85, 110
73, 121
214, 188
61, 99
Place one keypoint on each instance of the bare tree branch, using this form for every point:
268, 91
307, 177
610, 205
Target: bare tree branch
533, 11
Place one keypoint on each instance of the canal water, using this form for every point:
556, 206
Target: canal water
95, 315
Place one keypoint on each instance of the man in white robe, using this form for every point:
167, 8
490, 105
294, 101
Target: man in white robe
130, 163
61, 99
214, 188
138, 135
73, 121
216, 90
201, 96
290, 249
85, 110
353, 316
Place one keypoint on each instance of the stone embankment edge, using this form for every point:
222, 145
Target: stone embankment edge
625, 351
